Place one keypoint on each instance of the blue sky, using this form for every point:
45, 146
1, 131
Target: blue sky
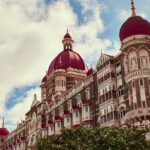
31, 37
18, 94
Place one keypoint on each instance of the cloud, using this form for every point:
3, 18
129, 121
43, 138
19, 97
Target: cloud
122, 15
30, 37
20, 109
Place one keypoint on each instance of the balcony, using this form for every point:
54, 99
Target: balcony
138, 112
137, 74
109, 123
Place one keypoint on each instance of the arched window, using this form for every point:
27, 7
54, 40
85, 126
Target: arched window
132, 57
144, 59
122, 111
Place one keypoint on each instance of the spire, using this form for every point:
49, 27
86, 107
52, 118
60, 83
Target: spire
133, 8
101, 51
35, 97
3, 124
34, 100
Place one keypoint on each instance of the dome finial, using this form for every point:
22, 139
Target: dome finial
133, 8
3, 124
67, 30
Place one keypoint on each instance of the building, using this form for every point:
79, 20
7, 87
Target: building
116, 93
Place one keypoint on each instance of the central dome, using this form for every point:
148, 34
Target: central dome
67, 58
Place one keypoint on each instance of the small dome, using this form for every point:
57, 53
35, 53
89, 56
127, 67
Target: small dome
134, 25
89, 72
3, 132
67, 59
44, 79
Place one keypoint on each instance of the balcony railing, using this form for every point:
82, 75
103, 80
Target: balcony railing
137, 74
137, 112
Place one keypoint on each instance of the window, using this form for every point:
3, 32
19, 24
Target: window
149, 82
141, 82
60, 109
58, 124
144, 59
69, 104
143, 104
87, 93
86, 109
76, 113
135, 105
78, 97
132, 57
51, 128
68, 119
133, 84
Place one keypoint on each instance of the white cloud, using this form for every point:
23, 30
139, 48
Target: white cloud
20, 109
122, 15
30, 37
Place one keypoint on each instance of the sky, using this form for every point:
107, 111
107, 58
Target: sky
31, 32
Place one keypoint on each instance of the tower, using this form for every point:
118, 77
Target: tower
135, 47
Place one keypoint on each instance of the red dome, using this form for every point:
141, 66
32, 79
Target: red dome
3, 132
89, 72
134, 25
67, 59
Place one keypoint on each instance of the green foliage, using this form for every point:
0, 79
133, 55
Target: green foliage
108, 138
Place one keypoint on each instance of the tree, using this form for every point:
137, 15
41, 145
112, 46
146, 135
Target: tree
108, 138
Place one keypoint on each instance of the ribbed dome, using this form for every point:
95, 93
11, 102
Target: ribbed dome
3, 132
67, 59
134, 25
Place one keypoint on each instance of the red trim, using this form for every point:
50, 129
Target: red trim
66, 113
87, 122
58, 118
43, 125
50, 122
76, 126
23, 138
10, 145
18, 141
76, 107
86, 102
